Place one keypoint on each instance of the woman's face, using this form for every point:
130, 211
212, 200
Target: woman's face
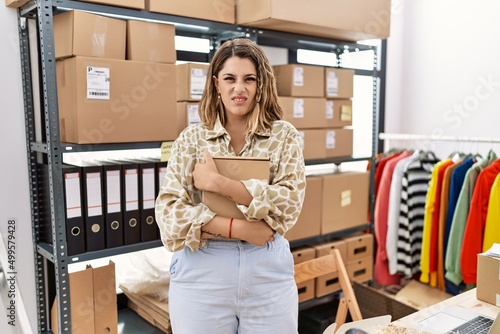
237, 86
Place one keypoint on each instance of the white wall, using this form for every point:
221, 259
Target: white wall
14, 189
443, 71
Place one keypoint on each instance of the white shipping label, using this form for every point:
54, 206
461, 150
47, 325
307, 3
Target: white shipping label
72, 192
131, 190
298, 76
330, 109
113, 191
330, 139
498, 300
298, 108
98, 83
148, 188
332, 84
197, 82
192, 114
94, 199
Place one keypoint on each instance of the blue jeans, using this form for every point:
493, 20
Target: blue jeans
233, 287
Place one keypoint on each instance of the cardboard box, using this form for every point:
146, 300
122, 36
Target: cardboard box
360, 270
339, 83
309, 222
113, 101
306, 289
187, 114
151, 41
236, 168
78, 33
93, 300
338, 143
345, 201
488, 279
326, 143
359, 246
329, 283
338, 113
305, 112
15, 3
136, 4
300, 80
350, 20
220, 10
191, 80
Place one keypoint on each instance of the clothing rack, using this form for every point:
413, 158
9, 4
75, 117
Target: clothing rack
387, 137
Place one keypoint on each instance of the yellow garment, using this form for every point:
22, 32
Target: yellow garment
426, 233
492, 227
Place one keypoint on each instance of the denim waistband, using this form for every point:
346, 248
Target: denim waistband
240, 244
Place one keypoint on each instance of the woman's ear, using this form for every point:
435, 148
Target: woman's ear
216, 82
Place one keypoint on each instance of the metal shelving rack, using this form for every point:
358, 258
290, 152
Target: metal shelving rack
51, 259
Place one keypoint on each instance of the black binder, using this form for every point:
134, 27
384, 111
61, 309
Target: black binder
112, 203
147, 197
93, 191
130, 202
73, 209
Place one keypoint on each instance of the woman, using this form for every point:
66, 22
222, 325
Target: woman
233, 275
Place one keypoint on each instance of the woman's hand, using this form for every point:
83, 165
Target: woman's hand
257, 233
205, 174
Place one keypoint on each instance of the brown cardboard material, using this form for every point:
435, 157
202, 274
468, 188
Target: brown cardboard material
360, 270
345, 201
339, 113
488, 279
151, 41
81, 290
350, 20
326, 143
191, 79
300, 80
105, 300
419, 295
236, 168
305, 112
93, 299
329, 283
187, 114
220, 10
130, 95
313, 144
306, 289
137, 4
339, 83
338, 143
78, 33
359, 246
15, 3
309, 222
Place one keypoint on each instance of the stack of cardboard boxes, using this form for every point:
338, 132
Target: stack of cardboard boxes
191, 79
115, 79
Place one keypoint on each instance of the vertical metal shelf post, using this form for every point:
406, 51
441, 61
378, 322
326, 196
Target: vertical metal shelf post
53, 151
41, 293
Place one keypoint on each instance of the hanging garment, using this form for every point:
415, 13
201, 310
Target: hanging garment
443, 211
492, 227
393, 212
453, 271
381, 269
414, 186
474, 228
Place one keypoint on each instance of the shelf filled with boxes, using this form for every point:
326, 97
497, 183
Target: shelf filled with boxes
130, 72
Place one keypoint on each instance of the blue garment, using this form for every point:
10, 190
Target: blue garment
238, 288
457, 181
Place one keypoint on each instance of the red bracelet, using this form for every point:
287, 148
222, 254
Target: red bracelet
230, 227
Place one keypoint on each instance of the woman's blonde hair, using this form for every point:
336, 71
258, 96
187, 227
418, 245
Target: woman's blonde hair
267, 108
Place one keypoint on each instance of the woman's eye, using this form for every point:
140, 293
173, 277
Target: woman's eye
251, 79
229, 79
